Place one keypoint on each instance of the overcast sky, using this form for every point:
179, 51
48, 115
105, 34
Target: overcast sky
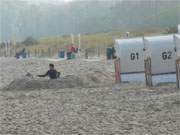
46, 1
40, 1
50, 1
56, 1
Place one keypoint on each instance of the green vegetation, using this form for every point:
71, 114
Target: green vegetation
29, 41
90, 41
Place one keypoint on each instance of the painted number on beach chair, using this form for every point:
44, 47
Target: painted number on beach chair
167, 55
134, 56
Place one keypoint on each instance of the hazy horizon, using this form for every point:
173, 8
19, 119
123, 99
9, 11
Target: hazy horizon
19, 18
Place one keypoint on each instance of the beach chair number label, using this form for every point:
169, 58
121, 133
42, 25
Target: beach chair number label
134, 56
167, 55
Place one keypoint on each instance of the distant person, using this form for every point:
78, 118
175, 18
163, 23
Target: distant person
113, 53
22, 54
51, 73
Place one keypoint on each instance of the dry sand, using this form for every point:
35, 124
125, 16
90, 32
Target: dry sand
83, 102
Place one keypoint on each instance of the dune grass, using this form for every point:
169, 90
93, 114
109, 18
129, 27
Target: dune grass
90, 41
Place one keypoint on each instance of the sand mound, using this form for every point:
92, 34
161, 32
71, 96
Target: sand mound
97, 77
37, 84
90, 79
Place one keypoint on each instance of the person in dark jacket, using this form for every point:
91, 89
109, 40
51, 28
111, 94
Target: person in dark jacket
51, 73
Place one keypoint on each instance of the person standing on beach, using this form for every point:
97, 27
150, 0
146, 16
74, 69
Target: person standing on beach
51, 73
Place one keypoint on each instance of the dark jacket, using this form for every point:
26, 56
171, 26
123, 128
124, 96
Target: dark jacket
53, 74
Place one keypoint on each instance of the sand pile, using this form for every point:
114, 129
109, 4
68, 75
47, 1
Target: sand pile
37, 84
93, 78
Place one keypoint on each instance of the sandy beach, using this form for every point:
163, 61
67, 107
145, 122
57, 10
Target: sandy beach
85, 101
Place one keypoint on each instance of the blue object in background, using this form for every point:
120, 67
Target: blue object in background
62, 53
21, 54
24, 55
109, 53
69, 55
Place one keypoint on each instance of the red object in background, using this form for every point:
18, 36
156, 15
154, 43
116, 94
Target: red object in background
72, 48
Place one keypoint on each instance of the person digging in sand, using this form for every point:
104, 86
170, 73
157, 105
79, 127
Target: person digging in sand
52, 73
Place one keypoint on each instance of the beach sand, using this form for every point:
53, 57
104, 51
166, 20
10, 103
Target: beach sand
85, 101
